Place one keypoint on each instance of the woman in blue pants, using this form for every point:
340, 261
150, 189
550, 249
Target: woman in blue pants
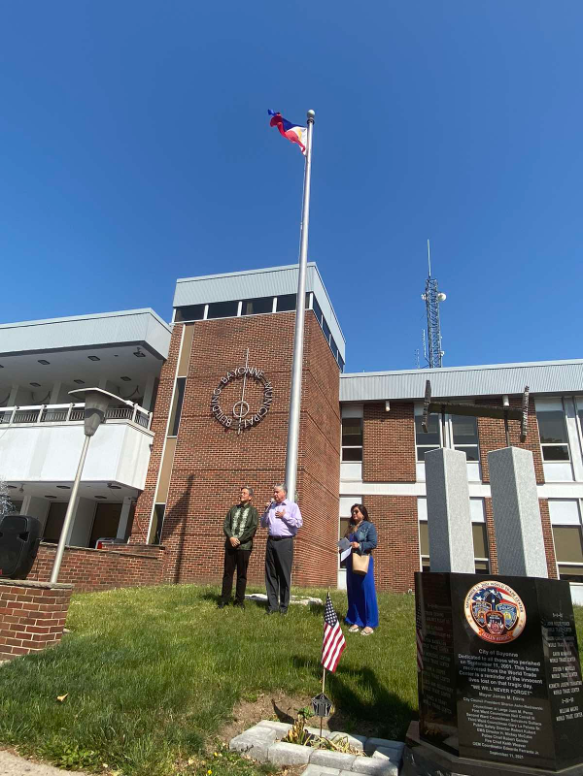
362, 612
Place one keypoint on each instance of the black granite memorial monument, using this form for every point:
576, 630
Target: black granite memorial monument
499, 674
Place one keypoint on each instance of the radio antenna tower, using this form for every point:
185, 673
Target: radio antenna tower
432, 298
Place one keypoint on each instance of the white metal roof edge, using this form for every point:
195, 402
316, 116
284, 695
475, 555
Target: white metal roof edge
88, 317
259, 271
469, 368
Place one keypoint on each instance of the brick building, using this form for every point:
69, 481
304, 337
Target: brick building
203, 452
220, 421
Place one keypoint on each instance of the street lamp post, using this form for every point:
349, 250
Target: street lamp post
96, 403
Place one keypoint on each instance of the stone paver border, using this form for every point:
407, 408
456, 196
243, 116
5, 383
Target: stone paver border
381, 757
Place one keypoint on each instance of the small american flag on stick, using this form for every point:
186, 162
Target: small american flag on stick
334, 642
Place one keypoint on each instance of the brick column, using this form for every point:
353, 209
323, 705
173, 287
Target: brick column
32, 616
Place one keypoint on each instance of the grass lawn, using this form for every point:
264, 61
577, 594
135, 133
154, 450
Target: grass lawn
153, 674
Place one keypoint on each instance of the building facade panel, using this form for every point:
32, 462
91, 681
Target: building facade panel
492, 436
389, 443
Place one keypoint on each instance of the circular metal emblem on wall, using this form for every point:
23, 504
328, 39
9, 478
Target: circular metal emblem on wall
495, 611
240, 416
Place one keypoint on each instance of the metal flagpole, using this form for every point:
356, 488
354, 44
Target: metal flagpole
293, 433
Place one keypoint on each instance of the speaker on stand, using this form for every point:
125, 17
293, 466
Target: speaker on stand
20, 536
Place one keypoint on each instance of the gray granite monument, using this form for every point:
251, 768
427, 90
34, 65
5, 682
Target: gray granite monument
517, 522
451, 545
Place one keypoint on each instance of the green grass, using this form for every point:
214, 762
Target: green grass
152, 674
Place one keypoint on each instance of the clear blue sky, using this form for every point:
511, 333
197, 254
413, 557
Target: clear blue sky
134, 136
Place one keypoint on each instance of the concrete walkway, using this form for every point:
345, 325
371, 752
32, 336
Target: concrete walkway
15, 766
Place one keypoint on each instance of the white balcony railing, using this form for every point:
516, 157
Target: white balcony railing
47, 414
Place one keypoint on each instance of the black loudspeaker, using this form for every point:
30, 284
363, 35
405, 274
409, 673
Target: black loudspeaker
20, 536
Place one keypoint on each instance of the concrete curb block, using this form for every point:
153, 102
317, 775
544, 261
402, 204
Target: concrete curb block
262, 742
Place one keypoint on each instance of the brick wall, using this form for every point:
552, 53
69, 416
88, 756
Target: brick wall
100, 570
211, 462
32, 616
397, 554
492, 436
389, 443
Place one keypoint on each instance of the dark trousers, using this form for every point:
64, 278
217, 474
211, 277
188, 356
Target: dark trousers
239, 560
279, 555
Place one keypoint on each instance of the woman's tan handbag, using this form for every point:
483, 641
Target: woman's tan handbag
360, 564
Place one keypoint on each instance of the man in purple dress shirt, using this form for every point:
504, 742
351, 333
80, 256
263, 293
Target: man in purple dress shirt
282, 518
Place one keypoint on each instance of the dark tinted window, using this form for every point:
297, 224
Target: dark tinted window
556, 453
341, 363
158, 522
258, 305
177, 406
326, 330
551, 426
286, 302
432, 436
189, 313
465, 430
223, 309
317, 309
334, 347
352, 431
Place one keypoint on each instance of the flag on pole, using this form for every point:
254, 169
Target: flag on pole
293, 132
334, 642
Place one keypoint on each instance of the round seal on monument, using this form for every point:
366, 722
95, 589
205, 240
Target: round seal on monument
495, 611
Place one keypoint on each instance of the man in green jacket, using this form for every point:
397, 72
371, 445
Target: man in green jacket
239, 527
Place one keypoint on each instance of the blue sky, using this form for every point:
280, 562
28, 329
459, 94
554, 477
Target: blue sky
135, 138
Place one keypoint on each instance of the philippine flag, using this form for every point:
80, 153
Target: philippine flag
293, 132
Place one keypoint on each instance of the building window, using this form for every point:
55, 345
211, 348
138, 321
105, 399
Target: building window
568, 537
424, 546
253, 307
176, 407
223, 309
285, 303
334, 348
430, 440
340, 362
158, 522
352, 439
479, 535
317, 310
465, 436
189, 313
553, 435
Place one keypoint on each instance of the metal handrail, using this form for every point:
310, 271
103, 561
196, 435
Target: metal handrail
73, 412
